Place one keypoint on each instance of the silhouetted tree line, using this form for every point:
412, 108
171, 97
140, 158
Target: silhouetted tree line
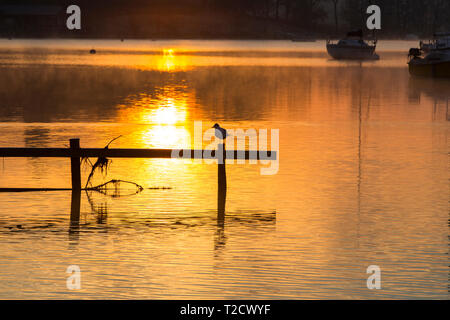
237, 18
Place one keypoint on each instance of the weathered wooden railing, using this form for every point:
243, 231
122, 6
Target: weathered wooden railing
75, 153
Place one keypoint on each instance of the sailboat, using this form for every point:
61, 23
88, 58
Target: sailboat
431, 59
353, 47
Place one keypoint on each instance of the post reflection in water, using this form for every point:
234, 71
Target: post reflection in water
74, 227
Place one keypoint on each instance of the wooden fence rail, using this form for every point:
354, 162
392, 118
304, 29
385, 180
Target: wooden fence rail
131, 153
75, 153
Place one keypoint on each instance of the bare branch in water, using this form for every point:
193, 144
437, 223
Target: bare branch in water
107, 146
102, 164
103, 188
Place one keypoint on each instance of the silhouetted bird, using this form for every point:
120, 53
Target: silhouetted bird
92, 51
221, 133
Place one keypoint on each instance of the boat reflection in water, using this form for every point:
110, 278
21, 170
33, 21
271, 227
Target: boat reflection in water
437, 91
353, 47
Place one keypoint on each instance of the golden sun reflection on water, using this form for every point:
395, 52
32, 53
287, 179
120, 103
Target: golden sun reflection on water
169, 111
170, 62
168, 136
162, 115
165, 113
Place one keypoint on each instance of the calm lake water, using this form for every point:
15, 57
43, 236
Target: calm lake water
363, 173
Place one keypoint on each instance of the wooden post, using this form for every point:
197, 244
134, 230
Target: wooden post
75, 211
221, 180
76, 185
75, 165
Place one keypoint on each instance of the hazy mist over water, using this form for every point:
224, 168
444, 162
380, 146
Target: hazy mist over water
363, 172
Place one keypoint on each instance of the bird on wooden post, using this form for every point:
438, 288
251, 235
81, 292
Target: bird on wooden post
221, 133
